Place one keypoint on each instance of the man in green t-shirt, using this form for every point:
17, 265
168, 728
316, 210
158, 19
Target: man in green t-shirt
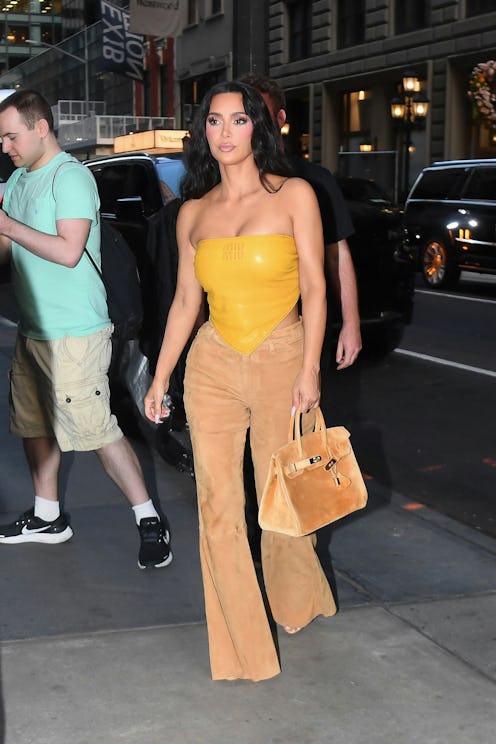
59, 387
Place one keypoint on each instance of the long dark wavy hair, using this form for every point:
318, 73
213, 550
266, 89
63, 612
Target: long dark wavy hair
202, 169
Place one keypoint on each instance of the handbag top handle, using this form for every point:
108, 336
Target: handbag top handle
295, 428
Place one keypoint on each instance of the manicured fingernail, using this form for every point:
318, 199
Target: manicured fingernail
157, 419
293, 411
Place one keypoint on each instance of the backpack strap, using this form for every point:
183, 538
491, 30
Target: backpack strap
93, 263
67, 162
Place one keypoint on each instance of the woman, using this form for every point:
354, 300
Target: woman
251, 236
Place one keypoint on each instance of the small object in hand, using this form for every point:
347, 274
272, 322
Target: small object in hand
167, 404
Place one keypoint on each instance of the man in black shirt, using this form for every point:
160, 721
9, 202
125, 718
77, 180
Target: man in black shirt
336, 223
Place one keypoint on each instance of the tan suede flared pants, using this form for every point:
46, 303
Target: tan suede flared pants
225, 393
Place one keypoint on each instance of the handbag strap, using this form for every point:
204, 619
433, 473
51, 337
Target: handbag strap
295, 427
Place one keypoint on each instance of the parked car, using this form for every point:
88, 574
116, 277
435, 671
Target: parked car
138, 196
384, 264
450, 216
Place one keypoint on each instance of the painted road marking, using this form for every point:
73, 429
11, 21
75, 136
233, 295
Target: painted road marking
446, 362
449, 296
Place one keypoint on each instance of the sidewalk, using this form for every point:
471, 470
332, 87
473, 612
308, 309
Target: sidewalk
94, 651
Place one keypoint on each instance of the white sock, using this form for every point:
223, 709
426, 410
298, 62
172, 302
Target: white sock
45, 509
143, 511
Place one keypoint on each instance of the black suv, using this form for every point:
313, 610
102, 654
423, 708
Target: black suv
450, 216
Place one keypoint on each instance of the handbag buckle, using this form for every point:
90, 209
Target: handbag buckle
331, 466
316, 458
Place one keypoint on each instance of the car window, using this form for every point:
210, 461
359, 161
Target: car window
124, 180
482, 184
442, 183
170, 173
361, 189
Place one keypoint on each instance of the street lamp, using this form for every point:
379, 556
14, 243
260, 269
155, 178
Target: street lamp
409, 111
84, 60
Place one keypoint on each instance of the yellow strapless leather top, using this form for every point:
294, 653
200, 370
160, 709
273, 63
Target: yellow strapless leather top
252, 282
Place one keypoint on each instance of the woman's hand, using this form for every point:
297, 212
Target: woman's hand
306, 390
154, 402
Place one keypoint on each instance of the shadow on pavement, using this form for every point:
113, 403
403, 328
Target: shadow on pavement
341, 403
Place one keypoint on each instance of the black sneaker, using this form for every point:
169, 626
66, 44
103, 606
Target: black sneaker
29, 528
154, 550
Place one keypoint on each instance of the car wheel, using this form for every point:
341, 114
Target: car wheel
438, 269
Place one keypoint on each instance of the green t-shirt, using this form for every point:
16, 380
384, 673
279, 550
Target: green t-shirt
55, 300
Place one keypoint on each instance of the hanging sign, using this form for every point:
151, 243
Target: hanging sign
158, 17
122, 51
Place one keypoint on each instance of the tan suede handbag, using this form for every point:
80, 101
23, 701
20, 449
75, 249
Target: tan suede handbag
313, 480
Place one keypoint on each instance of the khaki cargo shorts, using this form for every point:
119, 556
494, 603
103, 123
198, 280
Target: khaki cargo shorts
60, 389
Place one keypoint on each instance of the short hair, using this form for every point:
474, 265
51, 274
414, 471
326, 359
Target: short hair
31, 107
202, 169
268, 85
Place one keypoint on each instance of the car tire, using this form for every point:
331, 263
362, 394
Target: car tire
439, 271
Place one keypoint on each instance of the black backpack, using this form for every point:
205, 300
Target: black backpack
120, 277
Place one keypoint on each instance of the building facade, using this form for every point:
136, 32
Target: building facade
342, 61
223, 39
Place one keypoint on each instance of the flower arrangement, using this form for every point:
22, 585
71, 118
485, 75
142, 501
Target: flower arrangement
482, 91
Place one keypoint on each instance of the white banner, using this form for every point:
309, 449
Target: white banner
158, 17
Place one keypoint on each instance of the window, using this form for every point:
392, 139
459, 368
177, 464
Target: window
214, 7
478, 7
351, 22
439, 184
299, 29
482, 184
411, 15
17, 34
125, 182
192, 12
356, 111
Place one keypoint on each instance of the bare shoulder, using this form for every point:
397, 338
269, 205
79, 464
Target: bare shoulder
186, 219
188, 210
299, 187
188, 214
297, 193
